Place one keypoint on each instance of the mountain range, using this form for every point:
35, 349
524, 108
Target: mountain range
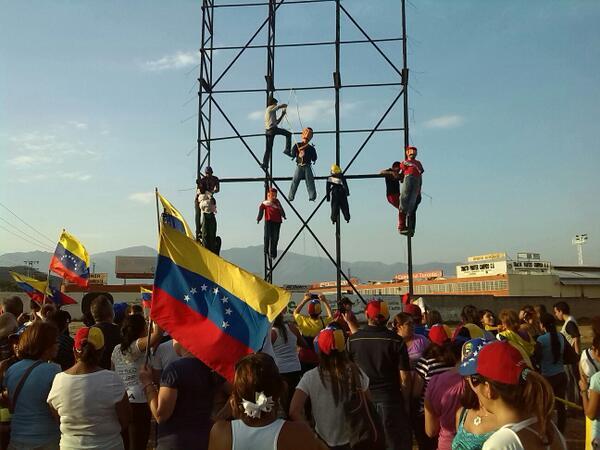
294, 269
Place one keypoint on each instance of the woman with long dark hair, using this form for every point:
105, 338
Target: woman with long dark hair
328, 386
257, 390
521, 399
549, 354
127, 358
285, 338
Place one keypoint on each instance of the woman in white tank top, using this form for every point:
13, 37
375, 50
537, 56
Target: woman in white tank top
257, 390
286, 339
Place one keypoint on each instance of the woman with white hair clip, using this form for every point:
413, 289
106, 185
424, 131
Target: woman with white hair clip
257, 390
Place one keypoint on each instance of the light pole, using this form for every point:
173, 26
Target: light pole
29, 263
578, 241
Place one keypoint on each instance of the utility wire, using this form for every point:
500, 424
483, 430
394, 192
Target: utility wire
21, 237
23, 233
53, 241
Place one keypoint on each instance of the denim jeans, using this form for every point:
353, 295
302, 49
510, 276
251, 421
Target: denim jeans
410, 199
270, 134
271, 238
303, 173
396, 425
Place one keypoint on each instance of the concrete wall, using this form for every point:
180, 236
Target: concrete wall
451, 305
448, 305
548, 285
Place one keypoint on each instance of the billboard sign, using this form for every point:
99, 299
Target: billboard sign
135, 266
420, 275
99, 278
487, 257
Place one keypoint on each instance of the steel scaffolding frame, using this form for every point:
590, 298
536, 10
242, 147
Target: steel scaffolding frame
207, 100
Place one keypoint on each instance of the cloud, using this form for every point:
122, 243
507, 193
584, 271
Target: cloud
142, 197
178, 60
78, 176
256, 115
28, 160
447, 121
78, 125
311, 111
48, 155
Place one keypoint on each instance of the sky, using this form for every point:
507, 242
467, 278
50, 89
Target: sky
98, 106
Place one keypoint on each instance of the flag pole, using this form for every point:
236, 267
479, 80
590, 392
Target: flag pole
48, 278
151, 323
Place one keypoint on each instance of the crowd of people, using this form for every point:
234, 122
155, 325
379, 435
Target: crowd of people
322, 381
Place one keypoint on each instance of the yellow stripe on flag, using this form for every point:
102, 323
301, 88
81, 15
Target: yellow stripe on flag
261, 296
70, 243
172, 211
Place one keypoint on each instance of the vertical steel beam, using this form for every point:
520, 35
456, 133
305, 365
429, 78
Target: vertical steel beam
406, 134
337, 84
205, 87
270, 90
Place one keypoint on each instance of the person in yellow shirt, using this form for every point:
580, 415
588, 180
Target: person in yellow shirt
310, 325
509, 331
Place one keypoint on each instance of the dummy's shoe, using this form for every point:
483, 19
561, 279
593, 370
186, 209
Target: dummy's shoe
402, 223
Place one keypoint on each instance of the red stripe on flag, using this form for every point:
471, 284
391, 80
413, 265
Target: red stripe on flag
59, 268
207, 341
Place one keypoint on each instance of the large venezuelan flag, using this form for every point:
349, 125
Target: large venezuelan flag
146, 297
217, 310
173, 218
35, 289
71, 260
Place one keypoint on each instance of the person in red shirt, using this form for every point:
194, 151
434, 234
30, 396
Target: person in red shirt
274, 215
412, 171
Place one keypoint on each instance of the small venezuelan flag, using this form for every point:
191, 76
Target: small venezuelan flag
146, 297
71, 260
60, 298
217, 310
173, 218
35, 289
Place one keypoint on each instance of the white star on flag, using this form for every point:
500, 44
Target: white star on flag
225, 324
186, 298
225, 300
228, 311
216, 290
204, 287
193, 291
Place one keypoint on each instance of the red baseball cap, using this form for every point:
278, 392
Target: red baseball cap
91, 335
413, 310
376, 309
438, 335
329, 340
498, 361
